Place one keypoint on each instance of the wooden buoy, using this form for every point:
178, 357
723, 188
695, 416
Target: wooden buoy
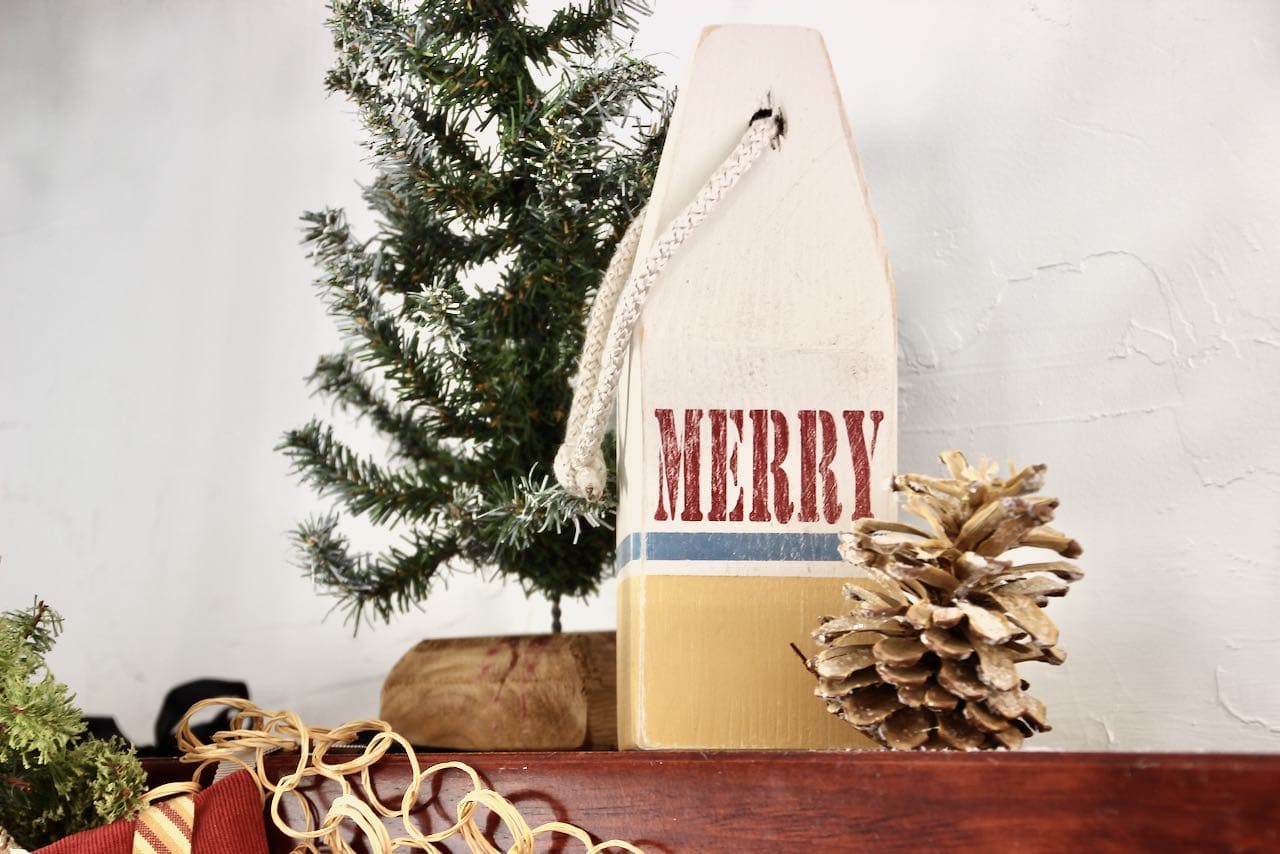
757, 412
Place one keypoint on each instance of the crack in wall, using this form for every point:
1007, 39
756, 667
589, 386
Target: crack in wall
1230, 708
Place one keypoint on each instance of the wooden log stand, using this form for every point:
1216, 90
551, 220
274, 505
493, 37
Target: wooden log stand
837, 801
531, 692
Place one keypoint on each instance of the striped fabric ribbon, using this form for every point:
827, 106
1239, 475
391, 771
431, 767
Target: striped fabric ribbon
165, 827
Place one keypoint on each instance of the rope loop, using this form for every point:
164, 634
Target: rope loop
579, 466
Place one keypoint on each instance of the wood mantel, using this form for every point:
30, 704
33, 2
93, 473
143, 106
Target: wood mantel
830, 802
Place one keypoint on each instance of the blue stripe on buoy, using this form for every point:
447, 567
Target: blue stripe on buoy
728, 547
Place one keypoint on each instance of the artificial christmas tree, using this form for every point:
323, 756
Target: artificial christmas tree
511, 157
928, 657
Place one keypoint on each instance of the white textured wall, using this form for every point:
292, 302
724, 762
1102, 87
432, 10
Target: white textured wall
1082, 203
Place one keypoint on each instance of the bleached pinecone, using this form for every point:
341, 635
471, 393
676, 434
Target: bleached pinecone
928, 657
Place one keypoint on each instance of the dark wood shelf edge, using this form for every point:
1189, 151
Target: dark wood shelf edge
834, 801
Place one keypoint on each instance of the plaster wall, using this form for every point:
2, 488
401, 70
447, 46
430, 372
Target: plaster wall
1082, 205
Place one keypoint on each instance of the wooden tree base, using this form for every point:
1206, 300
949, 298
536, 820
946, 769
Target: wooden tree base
533, 692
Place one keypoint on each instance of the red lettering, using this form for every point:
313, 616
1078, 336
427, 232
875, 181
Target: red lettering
759, 465
862, 455
811, 467
763, 468
673, 458
782, 506
808, 466
831, 506
723, 463
680, 465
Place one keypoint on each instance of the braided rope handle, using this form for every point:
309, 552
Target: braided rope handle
256, 732
579, 465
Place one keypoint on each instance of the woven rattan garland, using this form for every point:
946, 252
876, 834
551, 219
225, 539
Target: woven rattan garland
256, 732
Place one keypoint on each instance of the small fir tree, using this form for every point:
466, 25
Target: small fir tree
54, 781
510, 157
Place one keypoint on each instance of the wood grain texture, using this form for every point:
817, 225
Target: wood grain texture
537, 692
799, 802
